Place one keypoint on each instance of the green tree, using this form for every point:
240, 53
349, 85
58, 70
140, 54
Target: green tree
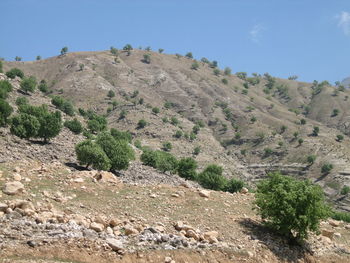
234, 185
43, 86
335, 112
64, 51
114, 51
38, 57
89, 153
227, 71
326, 168
340, 137
74, 126
195, 65
141, 124
118, 151
187, 168
155, 110
160, 50
17, 58
121, 135
147, 58
212, 178
14, 72
50, 125
289, 206
25, 126
189, 55
28, 84
311, 159
111, 94
5, 112
315, 131
216, 71
300, 141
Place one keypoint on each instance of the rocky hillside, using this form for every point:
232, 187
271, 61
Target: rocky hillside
252, 125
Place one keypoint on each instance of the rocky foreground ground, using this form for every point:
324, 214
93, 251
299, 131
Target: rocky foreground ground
53, 213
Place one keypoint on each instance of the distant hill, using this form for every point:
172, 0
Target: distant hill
251, 124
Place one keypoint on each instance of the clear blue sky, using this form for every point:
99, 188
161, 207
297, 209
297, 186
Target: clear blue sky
308, 38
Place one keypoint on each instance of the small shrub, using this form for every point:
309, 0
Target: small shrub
227, 71
341, 216
64, 50
326, 168
189, 55
302, 121
28, 84
233, 185
141, 124
43, 86
335, 112
174, 121
311, 159
178, 134
212, 178
196, 128
315, 131
122, 114
5, 112
21, 101
167, 146
168, 105
300, 141
74, 125
187, 168
111, 94
14, 72
216, 72
121, 135
268, 152
225, 81
340, 137
155, 110
345, 190
195, 65
146, 58
90, 153
196, 150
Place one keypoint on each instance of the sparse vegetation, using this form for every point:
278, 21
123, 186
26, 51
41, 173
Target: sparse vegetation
14, 72
326, 168
64, 51
28, 84
74, 126
141, 124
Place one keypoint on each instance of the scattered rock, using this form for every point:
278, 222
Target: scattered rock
115, 244
97, 227
129, 230
244, 190
327, 233
204, 193
333, 222
13, 188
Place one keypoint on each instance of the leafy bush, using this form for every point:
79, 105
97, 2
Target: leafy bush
216, 71
187, 168
121, 135
160, 160
345, 190
5, 88
290, 206
96, 123
28, 84
5, 112
326, 168
141, 124
178, 134
335, 112
189, 55
50, 122
195, 65
196, 150
147, 58
64, 50
212, 178
196, 128
174, 121
300, 141
311, 159
315, 131
14, 72
225, 81
89, 153
227, 71
167, 146
111, 94
344, 216
155, 110
74, 125
340, 137
21, 101
63, 104
118, 151
233, 185
25, 126
43, 86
